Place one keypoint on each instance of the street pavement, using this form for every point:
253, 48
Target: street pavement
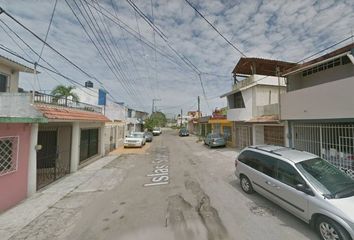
173, 188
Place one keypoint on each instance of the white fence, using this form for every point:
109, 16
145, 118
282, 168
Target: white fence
332, 141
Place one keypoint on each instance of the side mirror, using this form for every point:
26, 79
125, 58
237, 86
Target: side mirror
303, 188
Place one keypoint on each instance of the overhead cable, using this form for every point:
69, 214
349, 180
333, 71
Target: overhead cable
228, 41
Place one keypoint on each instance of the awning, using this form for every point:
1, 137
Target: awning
265, 119
56, 113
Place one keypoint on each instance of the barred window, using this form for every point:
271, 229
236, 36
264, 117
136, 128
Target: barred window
8, 154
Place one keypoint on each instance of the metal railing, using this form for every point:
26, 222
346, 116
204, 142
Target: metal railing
249, 80
64, 102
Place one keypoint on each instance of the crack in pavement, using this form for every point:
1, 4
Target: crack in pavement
209, 215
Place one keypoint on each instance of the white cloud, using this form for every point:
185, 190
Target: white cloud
285, 30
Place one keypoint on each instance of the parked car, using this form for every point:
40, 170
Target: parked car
214, 140
302, 183
156, 131
183, 132
135, 139
148, 136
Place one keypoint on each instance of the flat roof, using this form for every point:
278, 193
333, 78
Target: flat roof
15, 65
260, 66
320, 59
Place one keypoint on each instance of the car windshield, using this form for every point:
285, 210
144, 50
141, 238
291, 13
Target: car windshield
136, 135
327, 178
156, 129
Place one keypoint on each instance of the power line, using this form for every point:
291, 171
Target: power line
56, 51
109, 57
325, 49
132, 32
150, 23
46, 35
27, 45
200, 14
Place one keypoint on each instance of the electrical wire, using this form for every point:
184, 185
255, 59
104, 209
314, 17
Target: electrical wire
46, 35
55, 50
201, 15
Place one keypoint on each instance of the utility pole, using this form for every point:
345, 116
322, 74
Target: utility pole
153, 104
181, 117
278, 74
198, 107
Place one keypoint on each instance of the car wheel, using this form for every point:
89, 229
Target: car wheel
330, 230
246, 184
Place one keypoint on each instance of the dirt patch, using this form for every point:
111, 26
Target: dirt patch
261, 210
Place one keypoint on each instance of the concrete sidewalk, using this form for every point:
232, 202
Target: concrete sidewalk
93, 177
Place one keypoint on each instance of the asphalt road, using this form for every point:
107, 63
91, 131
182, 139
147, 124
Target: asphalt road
176, 188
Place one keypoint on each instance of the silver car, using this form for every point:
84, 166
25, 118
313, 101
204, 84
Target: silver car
302, 183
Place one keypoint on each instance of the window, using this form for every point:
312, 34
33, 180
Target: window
330, 64
8, 154
261, 162
3, 83
288, 175
238, 100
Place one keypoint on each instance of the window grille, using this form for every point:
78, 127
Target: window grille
331, 141
8, 154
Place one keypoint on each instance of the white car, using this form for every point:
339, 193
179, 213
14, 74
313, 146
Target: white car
156, 131
135, 139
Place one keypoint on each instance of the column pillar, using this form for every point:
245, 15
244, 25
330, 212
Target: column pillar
32, 161
101, 140
75, 147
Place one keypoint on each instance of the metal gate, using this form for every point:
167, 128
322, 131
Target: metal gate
50, 166
274, 135
243, 136
88, 143
332, 141
113, 138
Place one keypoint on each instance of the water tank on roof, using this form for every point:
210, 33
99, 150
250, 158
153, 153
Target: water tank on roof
89, 84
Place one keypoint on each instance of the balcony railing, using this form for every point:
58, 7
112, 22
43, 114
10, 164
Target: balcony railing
243, 83
41, 98
266, 110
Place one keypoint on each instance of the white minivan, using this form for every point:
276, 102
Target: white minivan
302, 183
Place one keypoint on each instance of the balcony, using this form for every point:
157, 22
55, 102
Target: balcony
239, 114
19, 106
333, 100
41, 98
258, 79
267, 110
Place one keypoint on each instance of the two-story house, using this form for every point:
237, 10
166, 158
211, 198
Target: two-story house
254, 102
319, 106
42, 138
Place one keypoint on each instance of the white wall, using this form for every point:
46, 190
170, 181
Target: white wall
12, 78
333, 100
112, 110
242, 114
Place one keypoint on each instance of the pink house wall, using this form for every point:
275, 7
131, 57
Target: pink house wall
13, 186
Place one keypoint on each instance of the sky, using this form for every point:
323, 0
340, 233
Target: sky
136, 65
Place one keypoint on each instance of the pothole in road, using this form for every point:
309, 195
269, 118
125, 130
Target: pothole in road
261, 210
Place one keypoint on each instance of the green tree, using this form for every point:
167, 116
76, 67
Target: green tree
64, 92
156, 119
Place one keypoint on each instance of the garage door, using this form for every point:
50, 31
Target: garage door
274, 135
